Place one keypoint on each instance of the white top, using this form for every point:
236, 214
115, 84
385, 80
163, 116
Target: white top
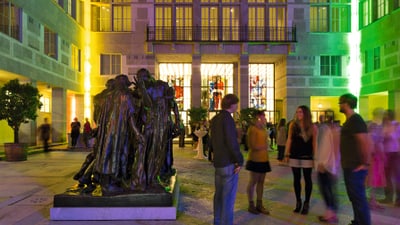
327, 155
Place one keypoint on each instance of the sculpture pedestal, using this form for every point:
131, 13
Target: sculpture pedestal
135, 206
200, 134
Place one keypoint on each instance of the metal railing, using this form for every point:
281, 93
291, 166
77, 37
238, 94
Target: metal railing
221, 34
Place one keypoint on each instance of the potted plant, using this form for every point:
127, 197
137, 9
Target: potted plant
197, 114
247, 115
19, 104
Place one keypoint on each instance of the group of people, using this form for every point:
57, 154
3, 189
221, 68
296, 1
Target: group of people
384, 170
133, 137
76, 131
353, 148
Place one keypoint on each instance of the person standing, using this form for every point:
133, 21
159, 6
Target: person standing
391, 133
376, 173
257, 162
281, 138
228, 160
75, 131
300, 149
44, 132
87, 130
355, 152
327, 162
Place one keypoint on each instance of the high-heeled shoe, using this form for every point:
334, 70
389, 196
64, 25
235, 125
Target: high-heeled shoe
306, 206
298, 207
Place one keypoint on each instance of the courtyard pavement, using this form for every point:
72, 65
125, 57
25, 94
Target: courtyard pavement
27, 189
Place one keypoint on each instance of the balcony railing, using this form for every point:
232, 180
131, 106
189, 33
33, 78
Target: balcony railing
221, 34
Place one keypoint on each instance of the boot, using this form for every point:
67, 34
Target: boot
306, 206
252, 208
260, 208
298, 207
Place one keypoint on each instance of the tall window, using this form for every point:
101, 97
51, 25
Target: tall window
330, 15
178, 76
262, 89
45, 100
382, 8
50, 43
230, 22
122, 18
174, 20
277, 20
164, 22
331, 66
184, 22
220, 20
256, 23
216, 82
365, 12
372, 60
10, 19
75, 58
110, 64
267, 21
209, 23
377, 58
111, 15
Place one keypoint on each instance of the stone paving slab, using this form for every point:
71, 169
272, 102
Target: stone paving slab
27, 189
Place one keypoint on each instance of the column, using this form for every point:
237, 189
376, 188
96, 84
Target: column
241, 87
394, 103
58, 115
196, 81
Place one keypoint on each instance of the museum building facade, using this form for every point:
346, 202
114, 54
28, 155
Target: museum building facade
274, 54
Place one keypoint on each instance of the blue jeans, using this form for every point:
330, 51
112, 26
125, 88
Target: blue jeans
355, 186
226, 183
327, 186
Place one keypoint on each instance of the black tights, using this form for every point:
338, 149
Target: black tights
297, 182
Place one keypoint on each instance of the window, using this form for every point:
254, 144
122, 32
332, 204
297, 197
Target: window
209, 23
277, 21
230, 22
112, 15
122, 18
377, 58
365, 12
178, 76
372, 60
45, 104
50, 43
262, 88
110, 64
216, 82
220, 21
330, 16
267, 21
174, 20
10, 19
382, 8
330, 66
257, 23
75, 58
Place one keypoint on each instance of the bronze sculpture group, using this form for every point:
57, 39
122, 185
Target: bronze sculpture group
135, 128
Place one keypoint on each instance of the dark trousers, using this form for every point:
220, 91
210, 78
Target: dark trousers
355, 186
297, 182
327, 186
281, 152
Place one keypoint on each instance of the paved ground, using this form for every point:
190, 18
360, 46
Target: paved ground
27, 189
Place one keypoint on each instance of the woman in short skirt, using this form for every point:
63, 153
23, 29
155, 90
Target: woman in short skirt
257, 162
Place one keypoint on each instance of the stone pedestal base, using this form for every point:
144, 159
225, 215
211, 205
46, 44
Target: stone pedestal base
135, 206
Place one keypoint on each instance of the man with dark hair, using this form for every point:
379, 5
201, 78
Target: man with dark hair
227, 160
355, 150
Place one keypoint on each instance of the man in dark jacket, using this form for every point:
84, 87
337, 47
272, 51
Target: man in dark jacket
227, 160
